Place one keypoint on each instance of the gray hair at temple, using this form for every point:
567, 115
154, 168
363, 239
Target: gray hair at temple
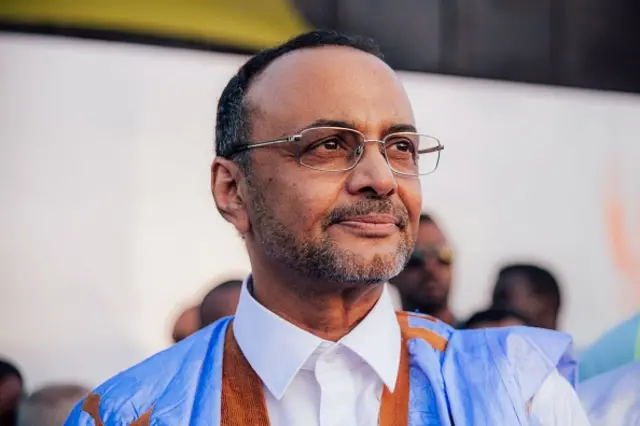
50, 405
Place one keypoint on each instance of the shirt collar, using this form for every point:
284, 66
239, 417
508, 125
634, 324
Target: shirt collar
277, 349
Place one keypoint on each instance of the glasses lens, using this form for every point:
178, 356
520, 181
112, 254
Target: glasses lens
329, 148
413, 153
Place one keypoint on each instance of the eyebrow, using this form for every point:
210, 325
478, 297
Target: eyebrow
395, 128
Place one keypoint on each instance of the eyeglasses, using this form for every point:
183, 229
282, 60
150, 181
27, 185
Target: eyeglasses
336, 149
444, 255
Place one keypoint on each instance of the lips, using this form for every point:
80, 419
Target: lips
371, 225
372, 219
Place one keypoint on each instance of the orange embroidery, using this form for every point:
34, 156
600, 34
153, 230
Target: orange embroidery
91, 406
394, 407
434, 339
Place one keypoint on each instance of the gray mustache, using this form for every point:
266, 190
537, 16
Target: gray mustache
365, 207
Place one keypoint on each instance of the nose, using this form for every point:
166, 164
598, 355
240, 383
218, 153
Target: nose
372, 175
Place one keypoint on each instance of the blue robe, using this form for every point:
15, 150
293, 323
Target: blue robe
484, 377
613, 398
617, 347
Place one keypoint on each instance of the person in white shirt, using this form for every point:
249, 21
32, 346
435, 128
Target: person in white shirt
318, 168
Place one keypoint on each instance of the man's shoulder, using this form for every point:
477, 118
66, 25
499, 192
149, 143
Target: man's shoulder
165, 378
517, 336
518, 344
527, 354
511, 340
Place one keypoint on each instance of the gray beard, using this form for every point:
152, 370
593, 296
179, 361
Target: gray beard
321, 261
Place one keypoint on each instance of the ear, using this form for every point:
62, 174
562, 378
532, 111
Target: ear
226, 179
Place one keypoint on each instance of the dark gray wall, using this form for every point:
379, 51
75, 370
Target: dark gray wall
586, 43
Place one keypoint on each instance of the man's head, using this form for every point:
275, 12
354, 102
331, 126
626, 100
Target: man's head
531, 290
307, 201
50, 405
187, 323
220, 302
10, 391
426, 280
496, 317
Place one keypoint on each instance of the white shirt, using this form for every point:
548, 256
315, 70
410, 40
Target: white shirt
313, 382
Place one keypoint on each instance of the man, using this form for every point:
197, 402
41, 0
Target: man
496, 317
425, 283
532, 290
187, 323
220, 302
318, 164
50, 405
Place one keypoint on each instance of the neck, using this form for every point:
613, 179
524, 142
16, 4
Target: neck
328, 315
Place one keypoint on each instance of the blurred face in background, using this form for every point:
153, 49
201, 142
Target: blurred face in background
10, 395
437, 257
219, 303
426, 281
517, 294
307, 220
187, 323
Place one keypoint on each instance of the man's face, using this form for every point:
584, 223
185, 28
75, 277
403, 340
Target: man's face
427, 282
309, 220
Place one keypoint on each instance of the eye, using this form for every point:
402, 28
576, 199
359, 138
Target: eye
327, 144
401, 145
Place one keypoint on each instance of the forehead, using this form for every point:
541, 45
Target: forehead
332, 83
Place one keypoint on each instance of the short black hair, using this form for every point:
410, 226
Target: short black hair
7, 369
494, 314
541, 282
233, 115
202, 308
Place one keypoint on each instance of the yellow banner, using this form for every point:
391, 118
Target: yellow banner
244, 24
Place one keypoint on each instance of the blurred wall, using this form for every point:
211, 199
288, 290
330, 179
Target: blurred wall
107, 222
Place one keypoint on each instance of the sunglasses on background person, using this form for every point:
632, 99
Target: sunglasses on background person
444, 256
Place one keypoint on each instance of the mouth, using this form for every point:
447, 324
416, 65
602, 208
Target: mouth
371, 225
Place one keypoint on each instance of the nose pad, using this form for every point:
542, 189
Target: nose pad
360, 151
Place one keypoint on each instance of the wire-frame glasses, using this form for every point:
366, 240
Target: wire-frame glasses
335, 149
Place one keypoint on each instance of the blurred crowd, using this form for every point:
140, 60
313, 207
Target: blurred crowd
523, 294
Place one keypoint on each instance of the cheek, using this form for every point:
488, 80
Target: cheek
410, 192
302, 203
446, 271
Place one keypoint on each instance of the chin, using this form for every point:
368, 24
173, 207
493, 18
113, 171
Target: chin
375, 268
